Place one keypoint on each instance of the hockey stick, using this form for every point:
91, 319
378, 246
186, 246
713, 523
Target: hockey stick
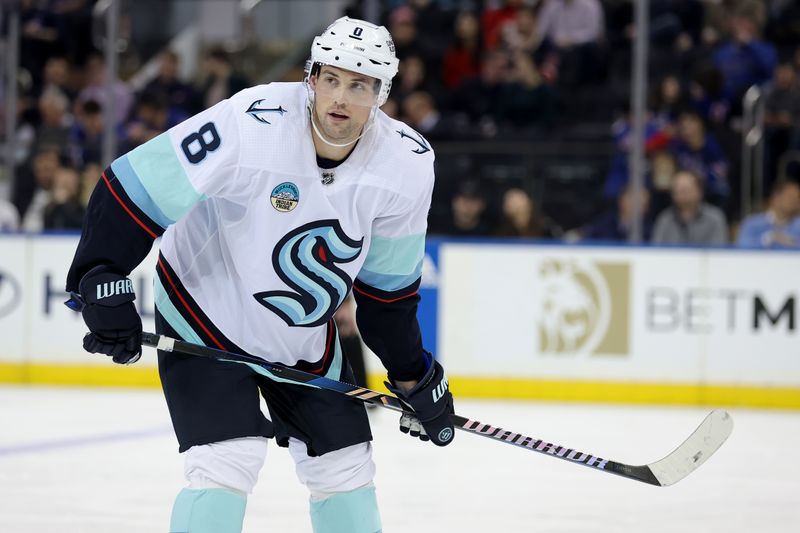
700, 445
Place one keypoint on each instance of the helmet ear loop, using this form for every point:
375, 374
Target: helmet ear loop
386, 88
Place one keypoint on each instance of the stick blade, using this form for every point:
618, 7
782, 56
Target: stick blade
695, 450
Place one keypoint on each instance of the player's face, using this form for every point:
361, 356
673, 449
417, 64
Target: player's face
343, 101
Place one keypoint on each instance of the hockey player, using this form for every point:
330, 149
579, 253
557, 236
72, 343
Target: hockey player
271, 207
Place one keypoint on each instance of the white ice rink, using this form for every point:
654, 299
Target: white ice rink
105, 460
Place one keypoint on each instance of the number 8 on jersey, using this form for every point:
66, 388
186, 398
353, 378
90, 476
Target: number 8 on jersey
197, 145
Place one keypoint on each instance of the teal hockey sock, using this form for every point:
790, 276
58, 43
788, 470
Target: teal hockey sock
208, 511
347, 512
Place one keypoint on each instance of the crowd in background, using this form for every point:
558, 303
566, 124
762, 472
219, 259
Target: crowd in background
475, 71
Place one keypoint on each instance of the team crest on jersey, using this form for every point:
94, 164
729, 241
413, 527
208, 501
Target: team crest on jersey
306, 260
285, 197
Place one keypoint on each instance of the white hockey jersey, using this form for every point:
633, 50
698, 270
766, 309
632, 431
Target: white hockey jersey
258, 248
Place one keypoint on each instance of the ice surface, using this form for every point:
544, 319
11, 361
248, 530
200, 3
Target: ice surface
100, 460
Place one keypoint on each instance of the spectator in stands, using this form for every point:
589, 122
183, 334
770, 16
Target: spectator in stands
699, 151
570, 23
462, 58
481, 97
617, 224
745, 59
526, 100
403, 27
663, 168
778, 226
25, 135
86, 136
469, 217
657, 137
718, 17
64, 211
437, 11
39, 37
152, 116
573, 29
433, 28
56, 122
707, 96
9, 217
90, 175
57, 75
420, 110
784, 23
669, 100
45, 166
783, 99
521, 34
96, 74
412, 77
40, 168
221, 80
675, 25
690, 220
782, 111
521, 218
494, 18
180, 96
75, 17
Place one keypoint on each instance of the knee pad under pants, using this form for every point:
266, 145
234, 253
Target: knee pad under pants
341, 470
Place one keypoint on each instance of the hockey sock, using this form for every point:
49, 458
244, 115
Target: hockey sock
208, 511
347, 512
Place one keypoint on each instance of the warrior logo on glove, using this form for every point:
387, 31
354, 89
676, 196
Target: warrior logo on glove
440, 389
113, 288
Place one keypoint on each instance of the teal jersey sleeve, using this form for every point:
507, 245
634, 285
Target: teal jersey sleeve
397, 246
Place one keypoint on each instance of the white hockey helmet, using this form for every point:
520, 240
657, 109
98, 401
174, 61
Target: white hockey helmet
358, 46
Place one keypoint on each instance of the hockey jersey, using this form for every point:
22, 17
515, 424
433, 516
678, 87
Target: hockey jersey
260, 246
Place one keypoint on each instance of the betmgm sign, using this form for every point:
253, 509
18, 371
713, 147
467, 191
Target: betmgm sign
669, 318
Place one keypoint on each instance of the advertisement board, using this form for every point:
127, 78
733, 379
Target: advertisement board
507, 319
650, 315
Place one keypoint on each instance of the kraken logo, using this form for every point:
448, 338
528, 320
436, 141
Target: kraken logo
584, 307
305, 260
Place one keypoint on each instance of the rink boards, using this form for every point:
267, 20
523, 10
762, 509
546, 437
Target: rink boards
519, 320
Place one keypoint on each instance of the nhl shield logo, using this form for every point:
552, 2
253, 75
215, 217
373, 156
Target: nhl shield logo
285, 197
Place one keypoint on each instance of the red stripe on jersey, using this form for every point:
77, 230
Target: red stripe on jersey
368, 295
194, 316
125, 207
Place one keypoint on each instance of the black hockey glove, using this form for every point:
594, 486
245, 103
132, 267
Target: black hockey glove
432, 404
106, 303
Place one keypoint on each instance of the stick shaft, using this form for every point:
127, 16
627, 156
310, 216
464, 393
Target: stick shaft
641, 473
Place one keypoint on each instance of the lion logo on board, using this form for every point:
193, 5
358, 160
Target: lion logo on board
584, 307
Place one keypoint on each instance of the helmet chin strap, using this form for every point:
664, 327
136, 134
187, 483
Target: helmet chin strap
364, 130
